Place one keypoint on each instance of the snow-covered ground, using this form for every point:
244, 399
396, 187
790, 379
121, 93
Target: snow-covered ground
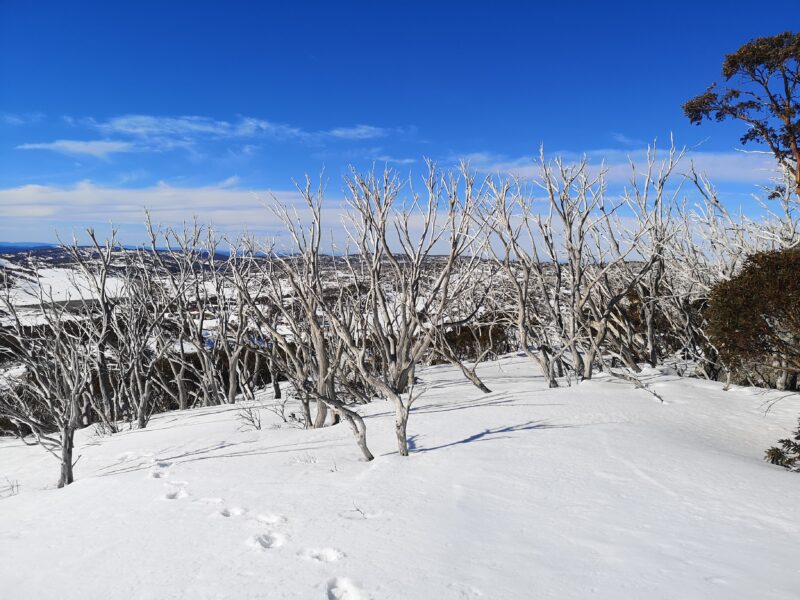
594, 491
58, 285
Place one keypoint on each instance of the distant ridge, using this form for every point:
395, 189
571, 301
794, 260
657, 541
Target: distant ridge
23, 246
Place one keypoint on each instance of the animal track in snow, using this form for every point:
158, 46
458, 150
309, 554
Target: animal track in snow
322, 554
176, 494
341, 588
236, 511
160, 470
266, 541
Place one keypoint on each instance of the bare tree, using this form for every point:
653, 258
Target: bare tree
472, 327
408, 287
185, 259
654, 203
90, 288
510, 215
287, 298
44, 401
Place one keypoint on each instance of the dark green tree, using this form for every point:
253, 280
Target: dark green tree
754, 317
763, 77
787, 454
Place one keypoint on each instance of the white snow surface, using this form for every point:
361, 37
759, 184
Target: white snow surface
592, 491
59, 285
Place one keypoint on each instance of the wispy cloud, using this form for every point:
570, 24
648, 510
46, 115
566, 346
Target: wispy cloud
38, 210
721, 167
231, 181
625, 140
192, 127
195, 134
96, 148
385, 158
34, 212
86, 202
157, 133
379, 154
20, 118
358, 132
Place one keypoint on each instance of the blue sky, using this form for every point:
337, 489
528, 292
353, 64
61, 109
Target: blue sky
204, 107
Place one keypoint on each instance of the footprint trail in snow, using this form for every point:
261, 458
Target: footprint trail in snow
266, 541
338, 588
342, 588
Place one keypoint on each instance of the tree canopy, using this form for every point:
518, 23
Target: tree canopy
764, 75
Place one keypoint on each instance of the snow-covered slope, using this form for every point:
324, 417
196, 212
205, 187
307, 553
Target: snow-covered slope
594, 491
59, 285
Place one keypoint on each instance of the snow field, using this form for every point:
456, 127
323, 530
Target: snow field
591, 491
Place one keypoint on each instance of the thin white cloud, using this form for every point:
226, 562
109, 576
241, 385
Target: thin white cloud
251, 127
625, 140
358, 132
397, 161
33, 212
147, 125
231, 181
191, 127
20, 118
43, 208
165, 133
96, 148
719, 167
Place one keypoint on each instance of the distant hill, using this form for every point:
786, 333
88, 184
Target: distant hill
7, 247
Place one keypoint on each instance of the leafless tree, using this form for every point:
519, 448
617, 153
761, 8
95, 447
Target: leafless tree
45, 400
511, 216
185, 259
653, 196
473, 326
403, 254
287, 297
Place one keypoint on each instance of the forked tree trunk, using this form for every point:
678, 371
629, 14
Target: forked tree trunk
276, 387
546, 366
359, 430
233, 385
321, 416
67, 446
474, 379
652, 351
178, 376
782, 381
324, 390
469, 373
183, 397
400, 426
305, 403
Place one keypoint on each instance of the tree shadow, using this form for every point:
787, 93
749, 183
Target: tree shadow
304, 446
128, 468
502, 399
211, 452
498, 399
496, 433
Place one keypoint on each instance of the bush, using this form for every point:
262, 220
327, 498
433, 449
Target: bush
754, 318
788, 454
